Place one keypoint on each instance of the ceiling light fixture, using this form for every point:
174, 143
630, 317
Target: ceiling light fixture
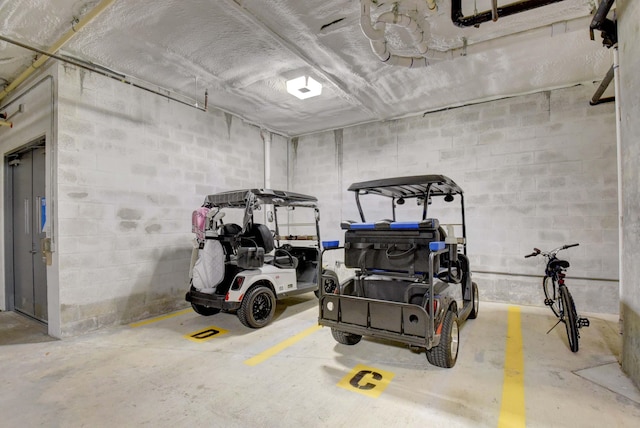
304, 87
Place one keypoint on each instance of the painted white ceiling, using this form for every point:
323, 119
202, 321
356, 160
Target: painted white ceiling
243, 51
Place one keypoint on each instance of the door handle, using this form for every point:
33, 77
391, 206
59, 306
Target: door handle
27, 218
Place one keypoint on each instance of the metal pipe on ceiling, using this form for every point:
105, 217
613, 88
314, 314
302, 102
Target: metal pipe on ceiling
94, 68
606, 26
75, 28
476, 19
549, 30
601, 13
375, 32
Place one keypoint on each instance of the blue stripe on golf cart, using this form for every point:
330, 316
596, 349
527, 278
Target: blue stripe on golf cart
436, 245
362, 226
405, 225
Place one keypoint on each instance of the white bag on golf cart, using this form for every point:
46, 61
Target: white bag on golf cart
208, 270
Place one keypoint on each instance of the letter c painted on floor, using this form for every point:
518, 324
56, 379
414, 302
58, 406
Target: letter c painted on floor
355, 381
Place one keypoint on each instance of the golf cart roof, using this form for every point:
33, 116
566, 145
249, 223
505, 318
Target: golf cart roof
408, 187
240, 198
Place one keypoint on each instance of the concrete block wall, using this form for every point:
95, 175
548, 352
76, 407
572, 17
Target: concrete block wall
628, 13
132, 166
538, 171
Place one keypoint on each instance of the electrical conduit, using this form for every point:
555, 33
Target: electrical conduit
56, 46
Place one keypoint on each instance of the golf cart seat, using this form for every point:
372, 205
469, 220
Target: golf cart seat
230, 229
253, 244
228, 232
259, 240
258, 235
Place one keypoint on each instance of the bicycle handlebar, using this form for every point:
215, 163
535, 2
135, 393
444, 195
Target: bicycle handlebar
555, 251
535, 253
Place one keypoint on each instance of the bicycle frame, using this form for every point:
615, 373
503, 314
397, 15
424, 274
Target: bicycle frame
557, 295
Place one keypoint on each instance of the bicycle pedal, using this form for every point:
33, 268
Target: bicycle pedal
583, 322
548, 302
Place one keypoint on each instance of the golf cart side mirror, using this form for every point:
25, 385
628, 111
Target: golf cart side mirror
448, 198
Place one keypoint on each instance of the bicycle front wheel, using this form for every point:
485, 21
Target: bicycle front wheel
570, 317
551, 299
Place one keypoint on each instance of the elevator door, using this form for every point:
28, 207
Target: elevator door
28, 206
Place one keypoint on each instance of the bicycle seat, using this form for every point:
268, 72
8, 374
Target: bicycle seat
559, 264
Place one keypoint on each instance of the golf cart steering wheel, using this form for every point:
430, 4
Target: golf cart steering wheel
292, 262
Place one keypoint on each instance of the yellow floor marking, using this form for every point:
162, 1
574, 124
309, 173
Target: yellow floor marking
281, 346
368, 381
512, 411
206, 334
160, 318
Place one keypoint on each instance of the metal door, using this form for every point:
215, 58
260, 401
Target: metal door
28, 207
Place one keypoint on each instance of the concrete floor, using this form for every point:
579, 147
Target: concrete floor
156, 373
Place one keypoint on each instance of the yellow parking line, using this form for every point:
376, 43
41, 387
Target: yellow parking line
160, 318
512, 411
281, 346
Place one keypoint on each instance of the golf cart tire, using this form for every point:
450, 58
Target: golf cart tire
258, 307
446, 353
204, 310
345, 338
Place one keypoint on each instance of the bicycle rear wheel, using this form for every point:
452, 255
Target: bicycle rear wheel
551, 299
570, 317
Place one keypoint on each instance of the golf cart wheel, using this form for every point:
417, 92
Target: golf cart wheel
446, 353
345, 338
476, 301
258, 307
204, 310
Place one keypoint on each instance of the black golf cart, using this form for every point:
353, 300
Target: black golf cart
412, 281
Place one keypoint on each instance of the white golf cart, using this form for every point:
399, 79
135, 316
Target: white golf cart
245, 266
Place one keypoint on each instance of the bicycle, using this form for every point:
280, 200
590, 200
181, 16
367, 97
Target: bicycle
557, 295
